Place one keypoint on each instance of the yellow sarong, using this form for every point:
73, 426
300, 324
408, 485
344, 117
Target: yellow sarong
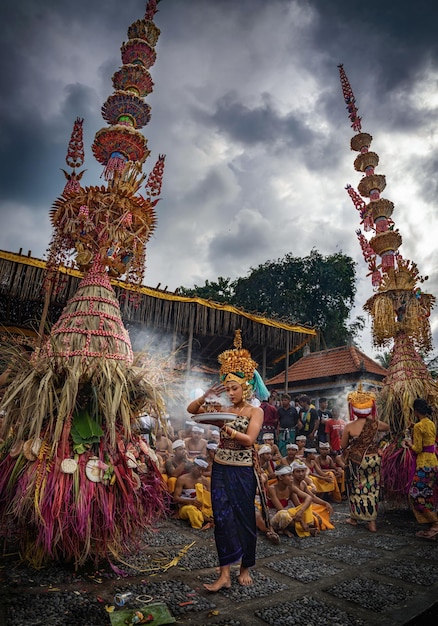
322, 486
315, 515
195, 516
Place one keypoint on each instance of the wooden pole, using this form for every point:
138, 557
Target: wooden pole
47, 298
264, 363
286, 369
190, 342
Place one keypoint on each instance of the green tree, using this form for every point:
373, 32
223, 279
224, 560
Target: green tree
220, 291
384, 358
314, 290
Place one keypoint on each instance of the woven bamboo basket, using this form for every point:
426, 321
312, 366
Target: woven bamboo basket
364, 160
361, 140
368, 183
381, 208
389, 240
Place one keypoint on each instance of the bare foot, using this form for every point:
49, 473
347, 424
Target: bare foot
244, 577
223, 582
372, 527
351, 521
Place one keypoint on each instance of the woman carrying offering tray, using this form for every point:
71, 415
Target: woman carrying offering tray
234, 479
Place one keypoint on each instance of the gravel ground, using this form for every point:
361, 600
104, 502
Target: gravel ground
410, 572
343, 577
307, 611
369, 594
304, 569
350, 554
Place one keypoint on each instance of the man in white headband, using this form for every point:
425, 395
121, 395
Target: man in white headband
289, 519
325, 482
192, 495
301, 443
268, 439
291, 452
215, 435
266, 463
212, 446
177, 464
196, 444
319, 512
328, 464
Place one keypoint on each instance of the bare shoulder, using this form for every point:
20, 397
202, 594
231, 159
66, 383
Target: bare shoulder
256, 411
347, 427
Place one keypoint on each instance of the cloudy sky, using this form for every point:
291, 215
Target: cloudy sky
248, 108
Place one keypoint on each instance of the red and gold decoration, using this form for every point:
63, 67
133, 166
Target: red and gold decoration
114, 221
76, 478
399, 309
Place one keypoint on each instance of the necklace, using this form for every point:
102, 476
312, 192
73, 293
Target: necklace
240, 408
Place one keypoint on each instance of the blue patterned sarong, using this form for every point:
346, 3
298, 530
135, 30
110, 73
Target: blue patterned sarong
233, 491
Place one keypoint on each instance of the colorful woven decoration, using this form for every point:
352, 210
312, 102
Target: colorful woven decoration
126, 107
135, 78
77, 481
75, 158
399, 309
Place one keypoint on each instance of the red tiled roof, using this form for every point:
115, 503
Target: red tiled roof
334, 362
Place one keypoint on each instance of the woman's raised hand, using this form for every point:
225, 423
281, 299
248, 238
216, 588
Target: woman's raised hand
215, 390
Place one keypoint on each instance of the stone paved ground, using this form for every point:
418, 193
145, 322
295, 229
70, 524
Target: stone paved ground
343, 577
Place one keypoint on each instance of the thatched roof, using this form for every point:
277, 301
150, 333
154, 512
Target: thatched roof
155, 312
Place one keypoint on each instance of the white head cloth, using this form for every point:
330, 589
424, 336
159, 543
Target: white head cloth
201, 463
264, 449
297, 465
178, 443
284, 470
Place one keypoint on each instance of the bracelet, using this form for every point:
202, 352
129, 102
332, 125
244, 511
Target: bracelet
233, 433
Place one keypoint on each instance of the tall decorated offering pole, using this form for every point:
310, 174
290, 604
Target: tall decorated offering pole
76, 478
399, 309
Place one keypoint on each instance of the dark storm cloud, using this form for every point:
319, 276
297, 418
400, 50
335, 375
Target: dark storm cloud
248, 108
260, 124
39, 145
398, 36
263, 125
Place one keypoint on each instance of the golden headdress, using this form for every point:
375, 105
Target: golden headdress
361, 403
237, 364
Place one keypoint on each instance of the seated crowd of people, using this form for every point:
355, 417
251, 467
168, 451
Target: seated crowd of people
297, 485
